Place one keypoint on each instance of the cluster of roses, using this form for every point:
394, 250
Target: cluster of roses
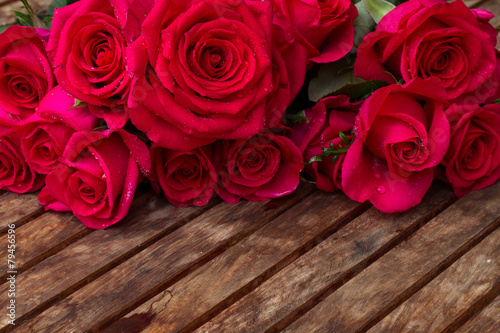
192, 96
189, 94
435, 118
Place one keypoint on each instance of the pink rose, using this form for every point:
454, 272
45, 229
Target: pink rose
325, 120
401, 134
45, 134
325, 28
99, 178
265, 166
186, 177
215, 72
423, 38
473, 159
87, 47
25, 71
15, 173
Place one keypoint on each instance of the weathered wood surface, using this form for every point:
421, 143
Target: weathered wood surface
310, 262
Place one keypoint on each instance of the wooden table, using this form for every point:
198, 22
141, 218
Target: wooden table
310, 262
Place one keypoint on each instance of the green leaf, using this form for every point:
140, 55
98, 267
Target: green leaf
363, 24
24, 19
4, 27
56, 4
378, 8
314, 159
344, 138
77, 104
496, 102
300, 117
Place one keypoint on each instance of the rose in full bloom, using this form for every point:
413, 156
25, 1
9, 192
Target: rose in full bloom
265, 166
25, 70
186, 177
99, 177
16, 175
206, 71
473, 159
325, 120
422, 38
88, 50
401, 134
45, 134
325, 28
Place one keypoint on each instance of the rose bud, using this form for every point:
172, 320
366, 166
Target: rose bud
263, 167
473, 159
401, 134
99, 178
186, 177
440, 39
45, 134
325, 120
25, 70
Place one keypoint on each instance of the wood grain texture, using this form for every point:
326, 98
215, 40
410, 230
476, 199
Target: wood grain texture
94, 253
487, 321
157, 264
398, 273
454, 291
329, 265
15, 208
245, 264
43, 234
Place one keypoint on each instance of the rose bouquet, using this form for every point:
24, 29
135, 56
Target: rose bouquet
242, 99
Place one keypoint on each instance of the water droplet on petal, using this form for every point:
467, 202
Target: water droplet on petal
381, 190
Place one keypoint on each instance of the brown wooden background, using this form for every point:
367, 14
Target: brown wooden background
310, 262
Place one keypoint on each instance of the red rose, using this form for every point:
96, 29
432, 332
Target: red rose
325, 28
210, 75
401, 134
473, 159
265, 166
422, 38
325, 120
15, 173
186, 177
87, 47
45, 134
99, 178
25, 71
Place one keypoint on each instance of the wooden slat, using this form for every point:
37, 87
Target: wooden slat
275, 243
93, 254
141, 273
327, 266
246, 265
487, 321
400, 273
454, 291
42, 234
18, 208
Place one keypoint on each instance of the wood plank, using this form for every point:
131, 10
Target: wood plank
443, 300
327, 266
400, 273
164, 259
94, 254
47, 232
246, 260
487, 321
15, 208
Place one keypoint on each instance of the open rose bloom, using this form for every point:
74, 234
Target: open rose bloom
241, 99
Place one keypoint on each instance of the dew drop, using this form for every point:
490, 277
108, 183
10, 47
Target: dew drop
376, 175
380, 190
